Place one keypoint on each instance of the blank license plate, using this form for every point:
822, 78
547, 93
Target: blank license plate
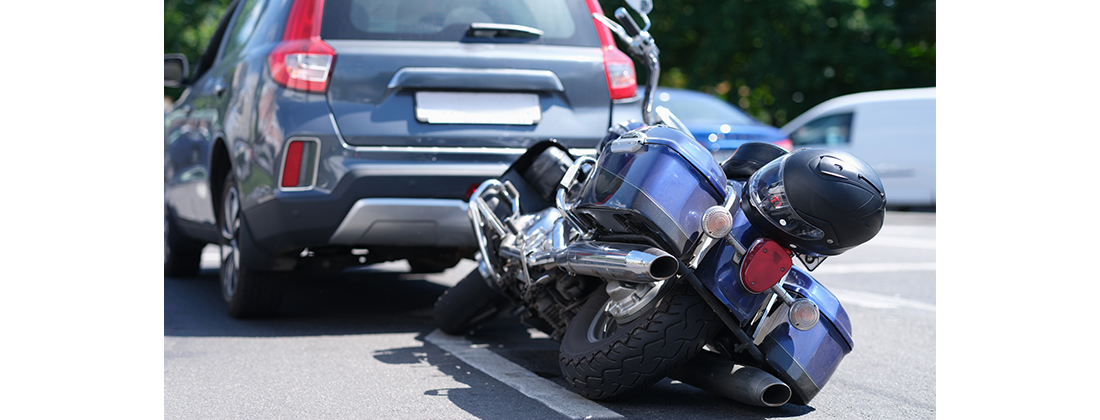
477, 108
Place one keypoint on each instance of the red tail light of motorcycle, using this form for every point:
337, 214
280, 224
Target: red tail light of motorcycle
765, 264
622, 81
302, 61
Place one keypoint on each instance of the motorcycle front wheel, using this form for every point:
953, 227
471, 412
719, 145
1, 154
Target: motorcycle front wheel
603, 359
467, 305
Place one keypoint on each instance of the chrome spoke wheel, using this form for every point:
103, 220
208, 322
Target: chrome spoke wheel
603, 325
625, 303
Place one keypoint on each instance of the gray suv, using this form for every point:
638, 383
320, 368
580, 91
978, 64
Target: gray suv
317, 135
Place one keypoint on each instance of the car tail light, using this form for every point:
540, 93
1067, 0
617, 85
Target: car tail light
765, 264
298, 164
302, 61
622, 82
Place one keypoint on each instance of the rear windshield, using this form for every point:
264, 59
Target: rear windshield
563, 22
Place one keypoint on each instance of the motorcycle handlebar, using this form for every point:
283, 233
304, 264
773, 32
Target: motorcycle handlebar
628, 23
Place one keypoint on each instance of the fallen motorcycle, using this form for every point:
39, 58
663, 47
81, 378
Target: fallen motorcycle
651, 259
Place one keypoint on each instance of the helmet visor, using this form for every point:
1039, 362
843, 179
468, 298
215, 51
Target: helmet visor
768, 195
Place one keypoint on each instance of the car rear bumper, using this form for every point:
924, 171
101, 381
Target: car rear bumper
376, 199
406, 222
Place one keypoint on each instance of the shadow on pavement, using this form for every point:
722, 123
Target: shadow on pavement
508, 338
366, 302
360, 302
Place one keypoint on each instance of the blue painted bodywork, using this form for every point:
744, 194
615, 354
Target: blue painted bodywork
661, 190
805, 360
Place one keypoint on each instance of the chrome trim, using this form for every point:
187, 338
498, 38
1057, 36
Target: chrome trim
762, 314
336, 129
617, 261
505, 151
733, 199
626, 302
430, 169
475, 213
405, 221
538, 79
282, 163
567, 182
441, 150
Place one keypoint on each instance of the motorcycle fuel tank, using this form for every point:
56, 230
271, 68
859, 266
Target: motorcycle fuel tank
655, 182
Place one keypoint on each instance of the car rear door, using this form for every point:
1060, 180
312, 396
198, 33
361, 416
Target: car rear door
448, 74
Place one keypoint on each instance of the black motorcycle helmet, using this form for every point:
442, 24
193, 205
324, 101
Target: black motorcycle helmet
816, 201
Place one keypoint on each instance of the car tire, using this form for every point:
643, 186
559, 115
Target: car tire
181, 254
466, 305
247, 293
435, 263
639, 353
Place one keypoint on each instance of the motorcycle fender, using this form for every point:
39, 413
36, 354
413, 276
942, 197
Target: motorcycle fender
722, 277
806, 360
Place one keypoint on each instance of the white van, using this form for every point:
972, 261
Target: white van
892, 130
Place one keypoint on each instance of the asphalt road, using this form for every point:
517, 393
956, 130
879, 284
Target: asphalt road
362, 345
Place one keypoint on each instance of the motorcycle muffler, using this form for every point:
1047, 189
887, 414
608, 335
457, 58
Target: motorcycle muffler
744, 384
616, 261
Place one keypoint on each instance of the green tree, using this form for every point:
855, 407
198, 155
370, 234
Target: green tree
777, 58
188, 26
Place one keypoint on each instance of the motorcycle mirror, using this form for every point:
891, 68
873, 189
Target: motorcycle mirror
641, 6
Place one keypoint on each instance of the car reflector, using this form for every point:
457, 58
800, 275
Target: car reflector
292, 170
299, 164
765, 264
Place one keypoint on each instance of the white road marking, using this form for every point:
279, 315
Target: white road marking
873, 267
903, 242
877, 301
557, 398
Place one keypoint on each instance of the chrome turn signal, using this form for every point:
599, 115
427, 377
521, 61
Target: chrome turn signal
803, 314
717, 222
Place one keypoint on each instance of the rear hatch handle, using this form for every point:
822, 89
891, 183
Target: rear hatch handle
452, 78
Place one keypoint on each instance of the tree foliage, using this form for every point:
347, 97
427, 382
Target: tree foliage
188, 26
777, 58
773, 58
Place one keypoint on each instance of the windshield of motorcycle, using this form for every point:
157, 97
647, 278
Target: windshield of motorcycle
768, 195
657, 187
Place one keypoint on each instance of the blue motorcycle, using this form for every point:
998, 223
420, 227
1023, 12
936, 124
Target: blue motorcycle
652, 260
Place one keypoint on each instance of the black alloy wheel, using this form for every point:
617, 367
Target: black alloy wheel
247, 293
603, 359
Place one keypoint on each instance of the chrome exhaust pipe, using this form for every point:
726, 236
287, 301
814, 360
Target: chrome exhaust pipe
616, 261
744, 384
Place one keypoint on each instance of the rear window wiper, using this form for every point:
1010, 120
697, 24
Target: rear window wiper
501, 30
